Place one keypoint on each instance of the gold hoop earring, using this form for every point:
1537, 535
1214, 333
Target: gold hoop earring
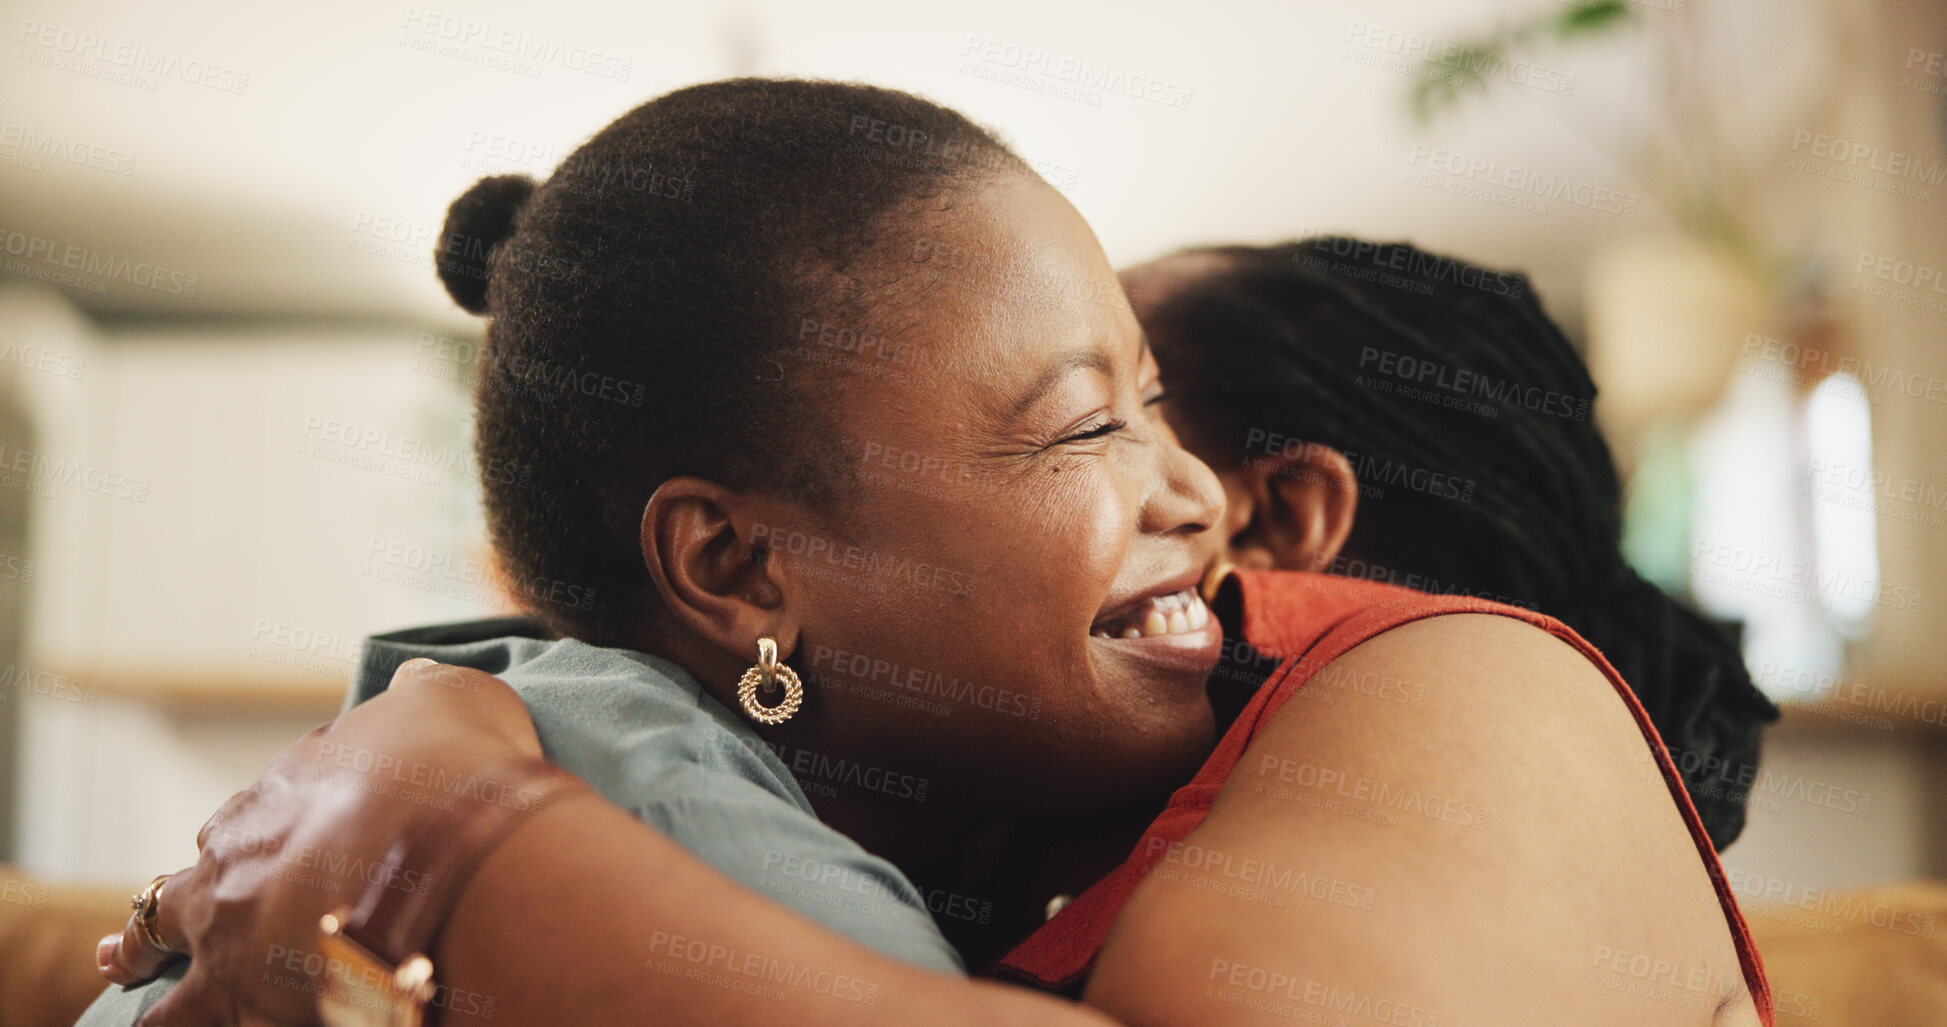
1213, 579
767, 673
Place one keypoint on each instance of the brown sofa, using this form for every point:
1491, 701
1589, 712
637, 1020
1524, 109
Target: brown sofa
47, 947
1868, 957
1865, 957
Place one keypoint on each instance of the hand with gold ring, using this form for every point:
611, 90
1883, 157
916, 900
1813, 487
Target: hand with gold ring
247, 913
143, 922
140, 951
144, 904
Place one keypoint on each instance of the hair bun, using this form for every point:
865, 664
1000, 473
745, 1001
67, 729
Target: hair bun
476, 224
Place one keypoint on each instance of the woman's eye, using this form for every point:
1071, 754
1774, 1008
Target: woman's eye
1106, 428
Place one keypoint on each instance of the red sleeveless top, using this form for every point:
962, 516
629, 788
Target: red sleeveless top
1307, 621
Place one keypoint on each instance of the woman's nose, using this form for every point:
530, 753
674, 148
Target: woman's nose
1189, 498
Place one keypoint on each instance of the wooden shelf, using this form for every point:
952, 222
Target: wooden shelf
224, 690
1914, 715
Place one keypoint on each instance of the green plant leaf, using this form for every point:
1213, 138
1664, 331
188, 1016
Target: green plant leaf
1466, 67
1591, 16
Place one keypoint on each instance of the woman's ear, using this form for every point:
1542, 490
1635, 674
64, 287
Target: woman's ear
1300, 508
708, 550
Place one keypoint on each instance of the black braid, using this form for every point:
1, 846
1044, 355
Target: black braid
1329, 341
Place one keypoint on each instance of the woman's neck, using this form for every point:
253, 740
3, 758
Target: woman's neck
963, 862
987, 877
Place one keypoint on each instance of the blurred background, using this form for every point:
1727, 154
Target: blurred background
233, 424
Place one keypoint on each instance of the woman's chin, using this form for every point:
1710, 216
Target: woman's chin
1164, 759
1160, 683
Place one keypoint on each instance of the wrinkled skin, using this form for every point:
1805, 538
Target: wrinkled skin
247, 899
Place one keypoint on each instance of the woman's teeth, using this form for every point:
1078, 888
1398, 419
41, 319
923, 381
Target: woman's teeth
1176, 613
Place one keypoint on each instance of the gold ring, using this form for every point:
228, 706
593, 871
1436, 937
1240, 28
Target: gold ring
145, 903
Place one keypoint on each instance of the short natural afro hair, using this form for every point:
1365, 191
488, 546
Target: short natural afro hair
643, 302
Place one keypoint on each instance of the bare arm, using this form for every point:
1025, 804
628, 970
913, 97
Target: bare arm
588, 916
1504, 853
581, 914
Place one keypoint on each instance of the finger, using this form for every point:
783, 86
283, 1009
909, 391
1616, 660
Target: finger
170, 901
459, 682
108, 956
472, 695
445, 682
413, 669
196, 1002
130, 957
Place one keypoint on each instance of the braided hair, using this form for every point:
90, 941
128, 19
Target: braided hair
1425, 369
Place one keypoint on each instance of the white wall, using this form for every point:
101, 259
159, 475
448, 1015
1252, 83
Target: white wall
1275, 118
1828, 812
266, 497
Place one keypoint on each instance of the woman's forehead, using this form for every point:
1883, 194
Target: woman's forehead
982, 296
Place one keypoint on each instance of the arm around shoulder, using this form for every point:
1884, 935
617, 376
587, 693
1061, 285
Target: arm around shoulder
586, 915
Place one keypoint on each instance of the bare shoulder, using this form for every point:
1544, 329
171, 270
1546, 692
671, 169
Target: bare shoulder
1457, 819
1471, 680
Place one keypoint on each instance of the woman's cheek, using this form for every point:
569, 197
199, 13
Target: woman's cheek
1090, 519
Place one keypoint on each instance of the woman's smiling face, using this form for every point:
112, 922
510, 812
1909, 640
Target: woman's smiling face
1005, 604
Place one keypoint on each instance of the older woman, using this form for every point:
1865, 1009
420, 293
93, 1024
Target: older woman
1044, 540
